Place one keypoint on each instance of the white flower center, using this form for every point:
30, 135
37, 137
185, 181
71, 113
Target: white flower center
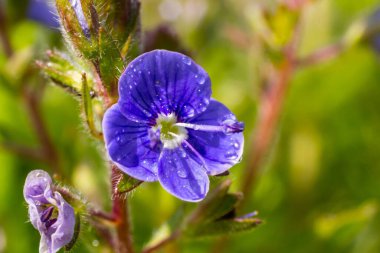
171, 135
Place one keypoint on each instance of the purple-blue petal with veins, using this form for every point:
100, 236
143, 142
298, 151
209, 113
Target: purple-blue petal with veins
220, 150
183, 174
42, 201
163, 82
131, 145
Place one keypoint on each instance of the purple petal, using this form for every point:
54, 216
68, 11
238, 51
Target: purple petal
130, 146
182, 174
64, 226
162, 82
37, 185
55, 232
43, 12
219, 150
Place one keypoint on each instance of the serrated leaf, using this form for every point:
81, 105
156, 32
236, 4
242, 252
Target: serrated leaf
223, 227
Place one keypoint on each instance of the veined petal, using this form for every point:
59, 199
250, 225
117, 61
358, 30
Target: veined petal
55, 232
130, 146
163, 82
182, 174
219, 150
64, 226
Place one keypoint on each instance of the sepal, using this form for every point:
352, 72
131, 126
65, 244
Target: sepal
59, 69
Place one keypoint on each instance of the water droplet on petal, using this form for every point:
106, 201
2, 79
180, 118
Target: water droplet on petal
201, 79
188, 110
186, 60
236, 145
183, 154
231, 155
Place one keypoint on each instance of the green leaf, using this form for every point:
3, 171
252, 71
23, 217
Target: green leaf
62, 72
127, 184
211, 204
87, 106
224, 206
109, 62
73, 31
224, 227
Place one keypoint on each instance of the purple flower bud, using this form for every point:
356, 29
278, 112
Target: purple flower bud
167, 128
49, 213
77, 6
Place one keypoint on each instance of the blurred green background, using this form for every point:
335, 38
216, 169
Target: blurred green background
319, 189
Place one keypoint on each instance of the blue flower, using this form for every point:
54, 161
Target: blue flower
49, 213
166, 127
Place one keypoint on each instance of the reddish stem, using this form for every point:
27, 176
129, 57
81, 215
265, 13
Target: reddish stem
48, 149
163, 242
321, 55
120, 212
269, 112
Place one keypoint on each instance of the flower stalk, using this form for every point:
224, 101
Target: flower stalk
120, 212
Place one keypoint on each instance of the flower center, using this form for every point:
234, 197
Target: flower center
49, 216
171, 135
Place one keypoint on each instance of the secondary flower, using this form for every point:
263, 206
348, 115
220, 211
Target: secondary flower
49, 213
44, 12
166, 127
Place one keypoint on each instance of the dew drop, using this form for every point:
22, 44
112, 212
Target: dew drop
236, 145
231, 155
181, 173
188, 110
120, 139
186, 60
201, 79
